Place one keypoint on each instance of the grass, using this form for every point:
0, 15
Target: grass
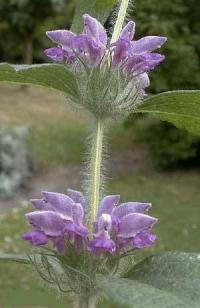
57, 132
57, 136
54, 137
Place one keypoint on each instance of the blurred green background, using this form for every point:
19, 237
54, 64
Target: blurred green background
161, 167
23, 24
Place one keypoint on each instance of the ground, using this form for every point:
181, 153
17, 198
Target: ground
56, 142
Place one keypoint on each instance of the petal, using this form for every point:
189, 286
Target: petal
61, 37
152, 60
144, 239
39, 204
134, 223
60, 202
102, 243
42, 205
128, 31
95, 29
130, 207
121, 50
80, 44
147, 44
49, 222
77, 196
104, 223
95, 52
56, 54
143, 93
87, 49
35, 237
107, 204
71, 229
133, 62
142, 63
144, 80
77, 213
69, 55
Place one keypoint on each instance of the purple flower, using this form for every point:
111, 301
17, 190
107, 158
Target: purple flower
95, 30
102, 240
144, 239
133, 57
126, 225
136, 56
58, 218
56, 54
90, 46
36, 237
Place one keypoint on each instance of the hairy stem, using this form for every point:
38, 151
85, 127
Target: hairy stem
120, 20
95, 167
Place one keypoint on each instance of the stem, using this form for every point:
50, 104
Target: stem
95, 168
120, 20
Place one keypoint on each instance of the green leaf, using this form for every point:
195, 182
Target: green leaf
15, 258
182, 108
52, 76
175, 272
99, 9
130, 293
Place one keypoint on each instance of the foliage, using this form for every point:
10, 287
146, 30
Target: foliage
169, 106
179, 21
176, 272
168, 146
99, 9
164, 280
15, 161
157, 280
20, 26
52, 76
182, 108
133, 294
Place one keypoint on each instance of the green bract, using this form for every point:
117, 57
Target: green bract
108, 93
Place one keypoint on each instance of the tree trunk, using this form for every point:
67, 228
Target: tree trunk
28, 52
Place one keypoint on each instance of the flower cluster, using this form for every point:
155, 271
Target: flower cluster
60, 219
134, 57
